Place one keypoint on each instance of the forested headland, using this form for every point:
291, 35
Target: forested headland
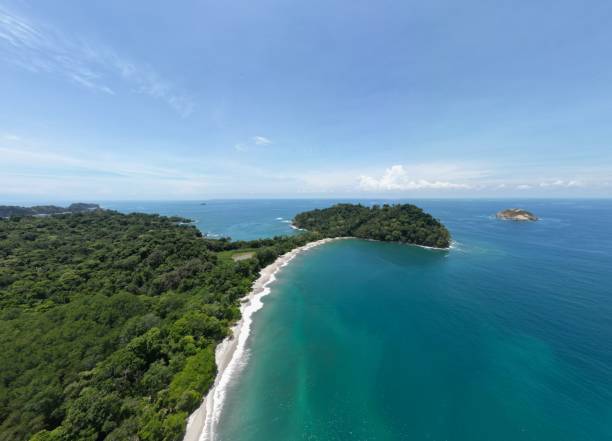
109, 322
43, 210
405, 223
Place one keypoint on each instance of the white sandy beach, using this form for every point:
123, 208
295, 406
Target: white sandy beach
229, 355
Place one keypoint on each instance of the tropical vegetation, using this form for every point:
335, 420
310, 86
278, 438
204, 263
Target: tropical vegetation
405, 223
41, 210
109, 322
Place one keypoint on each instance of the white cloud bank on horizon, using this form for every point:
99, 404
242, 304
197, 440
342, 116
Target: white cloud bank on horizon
473, 179
400, 178
40, 48
561, 183
29, 169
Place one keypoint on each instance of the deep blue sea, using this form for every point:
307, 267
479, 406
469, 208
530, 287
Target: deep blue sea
507, 336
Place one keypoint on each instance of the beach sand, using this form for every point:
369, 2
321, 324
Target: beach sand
230, 353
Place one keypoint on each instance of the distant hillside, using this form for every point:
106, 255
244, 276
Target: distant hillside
14, 210
392, 223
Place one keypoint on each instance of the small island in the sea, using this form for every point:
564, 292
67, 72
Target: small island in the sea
516, 214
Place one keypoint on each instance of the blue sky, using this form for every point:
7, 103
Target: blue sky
200, 99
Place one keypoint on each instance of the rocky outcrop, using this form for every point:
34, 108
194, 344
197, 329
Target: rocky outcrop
517, 214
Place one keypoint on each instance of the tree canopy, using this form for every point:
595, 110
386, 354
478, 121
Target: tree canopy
14, 210
109, 322
393, 223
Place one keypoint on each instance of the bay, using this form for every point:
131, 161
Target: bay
507, 336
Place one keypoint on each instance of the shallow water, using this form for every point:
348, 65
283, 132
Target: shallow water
508, 336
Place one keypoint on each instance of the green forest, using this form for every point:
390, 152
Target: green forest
394, 223
13, 210
109, 322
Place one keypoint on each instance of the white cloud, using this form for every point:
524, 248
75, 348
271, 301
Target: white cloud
261, 140
11, 137
561, 183
44, 172
42, 161
40, 48
479, 179
398, 178
31, 167
255, 141
90, 84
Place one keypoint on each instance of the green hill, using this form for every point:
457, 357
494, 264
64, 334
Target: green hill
392, 223
43, 210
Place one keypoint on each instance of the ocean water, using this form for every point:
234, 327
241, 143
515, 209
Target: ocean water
507, 336
238, 219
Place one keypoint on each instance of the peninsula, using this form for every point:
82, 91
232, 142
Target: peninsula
43, 210
109, 322
516, 214
404, 223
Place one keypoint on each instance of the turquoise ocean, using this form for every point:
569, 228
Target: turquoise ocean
507, 336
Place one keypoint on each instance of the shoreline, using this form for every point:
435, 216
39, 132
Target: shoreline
229, 354
407, 243
378, 240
